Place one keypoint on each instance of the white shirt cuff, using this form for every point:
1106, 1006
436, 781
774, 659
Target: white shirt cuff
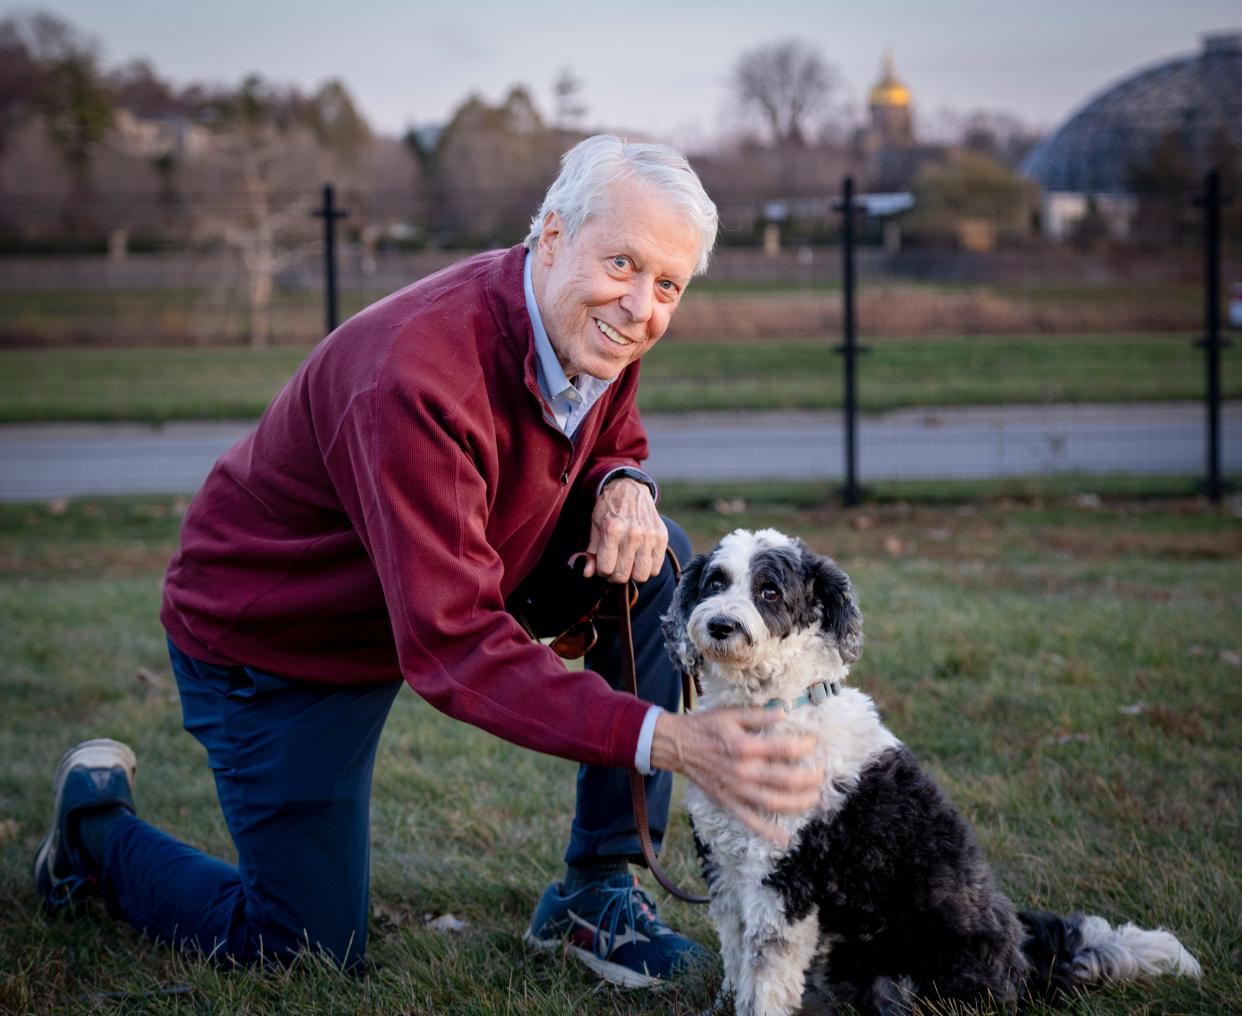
642, 754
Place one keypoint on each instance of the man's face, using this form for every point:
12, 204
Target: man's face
607, 295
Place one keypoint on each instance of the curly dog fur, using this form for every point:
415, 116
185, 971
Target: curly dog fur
883, 895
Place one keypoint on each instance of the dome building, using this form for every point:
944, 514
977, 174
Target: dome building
892, 119
1090, 161
887, 145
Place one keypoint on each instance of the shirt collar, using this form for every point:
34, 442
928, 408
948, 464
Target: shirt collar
552, 379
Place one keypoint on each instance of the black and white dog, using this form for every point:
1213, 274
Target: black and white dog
883, 895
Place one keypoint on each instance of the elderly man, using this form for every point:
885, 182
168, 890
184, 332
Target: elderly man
422, 478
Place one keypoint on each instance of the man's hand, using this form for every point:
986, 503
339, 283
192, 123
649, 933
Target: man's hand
752, 777
628, 537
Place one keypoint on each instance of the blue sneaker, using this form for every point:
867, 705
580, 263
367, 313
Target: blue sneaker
613, 928
91, 775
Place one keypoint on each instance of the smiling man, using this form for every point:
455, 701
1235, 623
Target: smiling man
403, 512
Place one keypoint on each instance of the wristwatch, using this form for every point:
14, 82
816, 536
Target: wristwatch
630, 473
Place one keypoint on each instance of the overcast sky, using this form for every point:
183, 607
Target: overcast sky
662, 68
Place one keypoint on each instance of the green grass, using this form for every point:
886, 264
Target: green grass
1003, 640
162, 384
150, 385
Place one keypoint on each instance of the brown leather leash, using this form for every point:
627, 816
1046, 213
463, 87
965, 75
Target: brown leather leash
638, 792
625, 594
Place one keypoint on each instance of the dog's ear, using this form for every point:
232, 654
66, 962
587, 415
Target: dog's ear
829, 587
673, 624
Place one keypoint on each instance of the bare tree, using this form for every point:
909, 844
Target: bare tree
335, 119
784, 85
21, 75
79, 114
489, 167
52, 67
264, 166
259, 228
569, 109
138, 88
997, 134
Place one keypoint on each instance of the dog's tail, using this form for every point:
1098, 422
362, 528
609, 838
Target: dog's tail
1081, 950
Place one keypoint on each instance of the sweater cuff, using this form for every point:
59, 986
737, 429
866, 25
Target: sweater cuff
646, 734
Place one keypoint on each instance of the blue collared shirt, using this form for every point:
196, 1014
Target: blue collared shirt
569, 403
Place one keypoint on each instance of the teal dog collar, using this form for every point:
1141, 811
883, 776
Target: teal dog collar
820, 691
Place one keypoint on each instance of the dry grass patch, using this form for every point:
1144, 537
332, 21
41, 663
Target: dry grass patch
897, 309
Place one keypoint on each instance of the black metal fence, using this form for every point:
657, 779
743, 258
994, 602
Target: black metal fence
1068, 430
877, 350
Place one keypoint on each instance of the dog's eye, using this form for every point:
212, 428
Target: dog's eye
715, 584
769, 592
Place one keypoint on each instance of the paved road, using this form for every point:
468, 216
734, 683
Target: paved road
70, 460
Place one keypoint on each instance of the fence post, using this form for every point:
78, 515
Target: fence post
329, 213
849, 347
1212, 202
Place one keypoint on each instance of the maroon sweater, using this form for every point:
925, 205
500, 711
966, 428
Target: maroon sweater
396, 491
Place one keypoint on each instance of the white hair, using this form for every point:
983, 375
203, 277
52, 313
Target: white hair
591, 166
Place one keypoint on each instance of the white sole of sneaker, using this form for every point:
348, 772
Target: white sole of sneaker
97, 753
613, 973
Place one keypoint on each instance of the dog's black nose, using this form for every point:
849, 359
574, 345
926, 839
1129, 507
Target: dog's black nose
721, 627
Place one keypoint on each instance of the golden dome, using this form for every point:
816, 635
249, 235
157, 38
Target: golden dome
888, 91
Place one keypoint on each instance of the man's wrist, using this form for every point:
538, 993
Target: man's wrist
665, 747
629, 473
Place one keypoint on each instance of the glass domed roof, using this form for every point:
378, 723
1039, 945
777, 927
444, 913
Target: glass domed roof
1194, 97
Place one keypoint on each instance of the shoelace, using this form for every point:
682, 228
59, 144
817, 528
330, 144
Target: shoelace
622, 901
65, 889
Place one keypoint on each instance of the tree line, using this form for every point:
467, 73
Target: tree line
92, 156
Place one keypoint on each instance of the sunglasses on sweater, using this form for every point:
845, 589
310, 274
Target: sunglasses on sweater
580, 637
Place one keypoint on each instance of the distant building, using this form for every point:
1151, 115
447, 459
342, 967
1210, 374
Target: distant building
163, 136
1089, 163
888, 146
892, 119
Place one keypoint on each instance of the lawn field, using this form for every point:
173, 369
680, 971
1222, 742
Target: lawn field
161, 384
1070, 669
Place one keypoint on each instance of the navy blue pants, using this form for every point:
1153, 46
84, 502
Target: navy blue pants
293, 763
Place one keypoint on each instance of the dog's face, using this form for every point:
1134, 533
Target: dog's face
735, 605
